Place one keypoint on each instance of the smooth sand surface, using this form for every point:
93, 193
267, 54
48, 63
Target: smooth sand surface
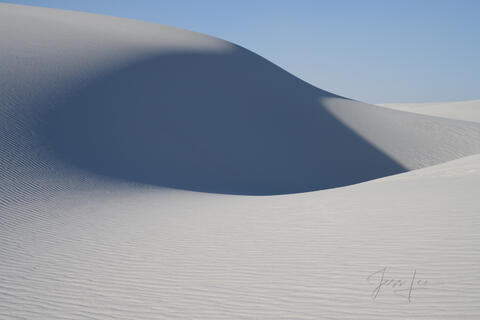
129, 154
460, 110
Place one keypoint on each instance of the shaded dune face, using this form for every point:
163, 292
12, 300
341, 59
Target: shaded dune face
228, 122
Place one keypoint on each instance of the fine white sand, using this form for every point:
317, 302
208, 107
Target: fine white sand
127, 150
461, 110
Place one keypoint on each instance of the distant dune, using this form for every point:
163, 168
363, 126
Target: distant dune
460, 110
108, 124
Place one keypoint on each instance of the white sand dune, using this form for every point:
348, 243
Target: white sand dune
106, 123
460, 110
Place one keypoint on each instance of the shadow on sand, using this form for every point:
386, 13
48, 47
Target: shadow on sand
225, 123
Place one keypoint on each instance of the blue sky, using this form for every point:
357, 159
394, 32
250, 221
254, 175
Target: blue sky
374, 51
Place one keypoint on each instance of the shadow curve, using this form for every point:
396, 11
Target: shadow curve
225, 123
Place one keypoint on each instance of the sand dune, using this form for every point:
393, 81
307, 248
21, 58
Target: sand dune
168, 107
107, 125
460, 110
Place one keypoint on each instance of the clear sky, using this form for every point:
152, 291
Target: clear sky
371, 50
